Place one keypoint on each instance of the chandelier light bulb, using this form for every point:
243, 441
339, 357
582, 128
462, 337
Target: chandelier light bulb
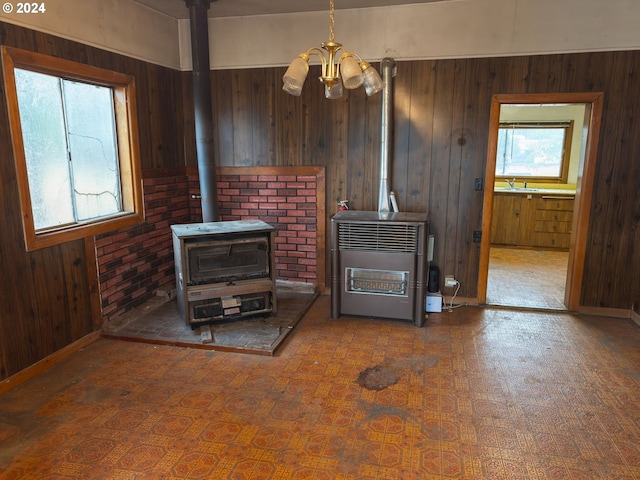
371, 79
334, 91
351, 73
340, 69
294, 77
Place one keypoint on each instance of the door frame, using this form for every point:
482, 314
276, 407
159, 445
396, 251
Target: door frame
584, 185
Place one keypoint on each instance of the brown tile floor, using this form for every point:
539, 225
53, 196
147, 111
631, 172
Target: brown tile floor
475, 394
521, 277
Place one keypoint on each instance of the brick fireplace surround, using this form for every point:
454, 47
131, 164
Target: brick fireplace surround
136, 263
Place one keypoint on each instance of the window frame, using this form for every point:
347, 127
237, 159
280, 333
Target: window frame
124, 96
566, 149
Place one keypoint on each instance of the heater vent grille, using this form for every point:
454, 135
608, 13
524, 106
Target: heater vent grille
378, 237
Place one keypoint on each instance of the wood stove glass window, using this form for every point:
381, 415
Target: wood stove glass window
74, 147
227, 260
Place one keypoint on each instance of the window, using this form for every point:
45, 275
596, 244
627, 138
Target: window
75, 147
538, 151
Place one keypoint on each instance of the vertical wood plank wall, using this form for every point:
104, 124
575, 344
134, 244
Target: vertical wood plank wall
441, 117
48, 297
441, 121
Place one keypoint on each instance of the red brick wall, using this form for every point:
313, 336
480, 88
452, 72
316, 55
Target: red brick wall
135, 262
288, 203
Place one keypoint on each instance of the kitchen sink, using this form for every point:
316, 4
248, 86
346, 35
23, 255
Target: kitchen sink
516, 189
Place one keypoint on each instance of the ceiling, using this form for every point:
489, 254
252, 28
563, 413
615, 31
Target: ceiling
236, 8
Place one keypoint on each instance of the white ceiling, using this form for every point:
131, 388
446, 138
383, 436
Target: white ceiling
239, 8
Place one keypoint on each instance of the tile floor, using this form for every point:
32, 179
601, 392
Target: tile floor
475, 394
520, 277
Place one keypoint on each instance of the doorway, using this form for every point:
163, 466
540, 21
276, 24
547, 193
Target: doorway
576, 238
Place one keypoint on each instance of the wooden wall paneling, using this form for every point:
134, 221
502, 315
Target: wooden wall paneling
539, 73
573, 73
222, 99
597, 280
243, 121
17, 37
17, 318
512, 75
359, 162
51, 311
93, 282
16, 288
78, 269
263, 95
181, 124
46, 295
154, 97
324, 132
441, 161
332, 150
473, 140
598, 74
48, 45
289, 119
145, 117
164, 100
440, 153
187, 120
319, 133
556, 64
420, 112
401, 136
455, 201
621, 216
632, 178
440, 158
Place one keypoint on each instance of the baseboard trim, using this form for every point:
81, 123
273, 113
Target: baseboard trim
605, 312
635, 317
466, 301
46, 363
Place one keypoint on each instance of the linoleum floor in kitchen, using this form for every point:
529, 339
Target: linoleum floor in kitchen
520, 277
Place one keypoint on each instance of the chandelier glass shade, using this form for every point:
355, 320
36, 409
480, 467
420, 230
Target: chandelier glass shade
340, 69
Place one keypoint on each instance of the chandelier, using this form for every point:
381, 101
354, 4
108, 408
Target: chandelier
340, 68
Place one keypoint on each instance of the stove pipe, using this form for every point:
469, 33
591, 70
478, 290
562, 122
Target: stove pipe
388, 67
203, 112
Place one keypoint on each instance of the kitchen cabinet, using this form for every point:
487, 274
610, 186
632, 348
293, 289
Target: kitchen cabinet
553, 219
532, 220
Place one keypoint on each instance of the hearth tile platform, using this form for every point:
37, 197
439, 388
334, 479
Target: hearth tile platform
160, 323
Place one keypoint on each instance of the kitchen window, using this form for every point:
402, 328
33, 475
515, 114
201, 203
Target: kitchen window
75, 146
534, 151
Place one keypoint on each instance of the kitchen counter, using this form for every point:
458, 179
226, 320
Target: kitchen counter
536, 191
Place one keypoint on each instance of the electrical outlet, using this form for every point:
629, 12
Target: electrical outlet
450, 281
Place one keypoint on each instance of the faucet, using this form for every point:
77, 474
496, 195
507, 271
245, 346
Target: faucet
512, 183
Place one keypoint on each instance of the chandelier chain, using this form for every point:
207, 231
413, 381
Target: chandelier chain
331, 8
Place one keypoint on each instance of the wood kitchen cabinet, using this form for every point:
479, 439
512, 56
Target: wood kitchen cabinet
531, 220
553, 219
505, 222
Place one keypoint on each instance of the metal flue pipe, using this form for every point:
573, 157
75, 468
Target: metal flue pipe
203, 112
388, 67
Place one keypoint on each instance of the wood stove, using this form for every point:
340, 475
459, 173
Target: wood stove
379, 265
224, 270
